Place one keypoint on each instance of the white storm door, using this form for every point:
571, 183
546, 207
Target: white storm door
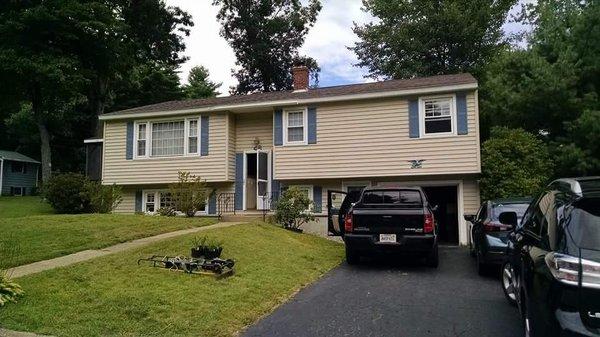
262, 180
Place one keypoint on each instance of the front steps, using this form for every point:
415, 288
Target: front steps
247, 216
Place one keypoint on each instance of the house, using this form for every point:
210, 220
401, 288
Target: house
422, 131
18, 174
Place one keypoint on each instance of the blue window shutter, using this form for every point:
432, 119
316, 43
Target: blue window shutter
318, 199
278, 127
204, 135
239, 181
461, 114
312, 125
138, 200
129, 141
413, 118
212, 204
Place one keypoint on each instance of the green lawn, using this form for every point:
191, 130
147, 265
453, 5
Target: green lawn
36, 238
112, 296
13, 207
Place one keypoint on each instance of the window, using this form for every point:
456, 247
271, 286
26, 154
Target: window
155, 200
437, 115
192, 136
18, 167
306, 189
141, 139
167, 139
392, 197
18, 191
295, 127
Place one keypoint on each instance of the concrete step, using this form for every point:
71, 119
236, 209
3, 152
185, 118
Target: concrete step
242, 217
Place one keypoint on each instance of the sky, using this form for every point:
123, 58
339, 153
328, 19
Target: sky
327, 42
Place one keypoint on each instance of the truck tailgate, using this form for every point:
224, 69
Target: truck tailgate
389, 221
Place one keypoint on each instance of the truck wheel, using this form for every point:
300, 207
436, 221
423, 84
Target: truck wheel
433, 260
352, 256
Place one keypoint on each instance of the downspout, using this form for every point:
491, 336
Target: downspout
1, 173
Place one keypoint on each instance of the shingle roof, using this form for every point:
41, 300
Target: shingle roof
15, 156
325, 92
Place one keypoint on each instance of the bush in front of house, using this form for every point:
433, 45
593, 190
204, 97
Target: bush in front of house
73, 193
292, 210
188, 194
513, 163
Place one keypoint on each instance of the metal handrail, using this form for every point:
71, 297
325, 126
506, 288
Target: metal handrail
225, 203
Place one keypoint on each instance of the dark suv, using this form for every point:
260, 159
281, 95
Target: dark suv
553, 270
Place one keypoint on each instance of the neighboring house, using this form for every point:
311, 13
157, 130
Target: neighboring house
18, 174
422, 131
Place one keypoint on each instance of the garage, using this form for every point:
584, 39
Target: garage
445, 197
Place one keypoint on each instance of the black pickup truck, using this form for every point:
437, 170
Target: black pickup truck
384, 219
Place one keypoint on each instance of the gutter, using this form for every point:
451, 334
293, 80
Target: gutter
291, 102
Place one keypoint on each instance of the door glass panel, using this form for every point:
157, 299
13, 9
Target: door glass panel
262, 188
263, 163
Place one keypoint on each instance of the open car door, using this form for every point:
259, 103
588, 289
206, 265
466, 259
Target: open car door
338, 205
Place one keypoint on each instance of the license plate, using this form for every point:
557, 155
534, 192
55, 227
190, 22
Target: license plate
387, 238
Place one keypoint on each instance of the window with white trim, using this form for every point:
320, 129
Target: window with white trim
295, 130
153, 200
141, 139
306, 189
192, 136
167, 138
437, 115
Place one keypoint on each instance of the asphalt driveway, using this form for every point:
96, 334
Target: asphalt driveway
384, 298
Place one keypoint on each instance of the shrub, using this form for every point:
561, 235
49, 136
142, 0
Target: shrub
66, 193
513, 163
9, 291
189, 194
74, 193
166, 211
103, 198
293, 208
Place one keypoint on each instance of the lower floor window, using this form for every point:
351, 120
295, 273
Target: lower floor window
20, 191
306, 189
155, 200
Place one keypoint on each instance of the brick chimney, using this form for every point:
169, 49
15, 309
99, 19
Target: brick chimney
300, 76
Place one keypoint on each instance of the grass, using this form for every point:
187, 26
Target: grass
36, 238
14, 207
112, 296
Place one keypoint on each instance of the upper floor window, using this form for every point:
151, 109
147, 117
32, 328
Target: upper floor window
437, 115
295, 131
167, 138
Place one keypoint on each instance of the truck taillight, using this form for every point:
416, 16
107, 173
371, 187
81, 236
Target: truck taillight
428, 223
565, 268
348, 222
490, 226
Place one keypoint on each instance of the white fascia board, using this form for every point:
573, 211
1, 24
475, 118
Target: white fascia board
93, 140
291, 102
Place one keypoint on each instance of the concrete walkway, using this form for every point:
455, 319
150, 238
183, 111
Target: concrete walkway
10, 333
89, 254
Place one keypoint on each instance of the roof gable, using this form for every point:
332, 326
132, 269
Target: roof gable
15, 156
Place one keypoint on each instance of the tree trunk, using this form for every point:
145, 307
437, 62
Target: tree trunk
98, 103
38, 115
45, 150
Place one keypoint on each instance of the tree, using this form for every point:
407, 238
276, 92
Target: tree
41, 73
189, 194
199, 86
513, 163
265, 37
551, 87
422, 38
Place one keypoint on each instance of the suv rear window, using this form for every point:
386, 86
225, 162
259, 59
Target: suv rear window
584, 223
411, 197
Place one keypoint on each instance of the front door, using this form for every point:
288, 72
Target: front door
262, 180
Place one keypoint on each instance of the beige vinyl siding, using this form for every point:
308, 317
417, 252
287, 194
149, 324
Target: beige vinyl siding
471, 196
371, 138
121, 171
231, 141
252, 125
128, 203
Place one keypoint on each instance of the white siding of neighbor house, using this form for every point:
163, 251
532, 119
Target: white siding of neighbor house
118, 170
371, 138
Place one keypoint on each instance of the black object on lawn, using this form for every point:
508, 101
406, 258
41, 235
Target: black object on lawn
189, 265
